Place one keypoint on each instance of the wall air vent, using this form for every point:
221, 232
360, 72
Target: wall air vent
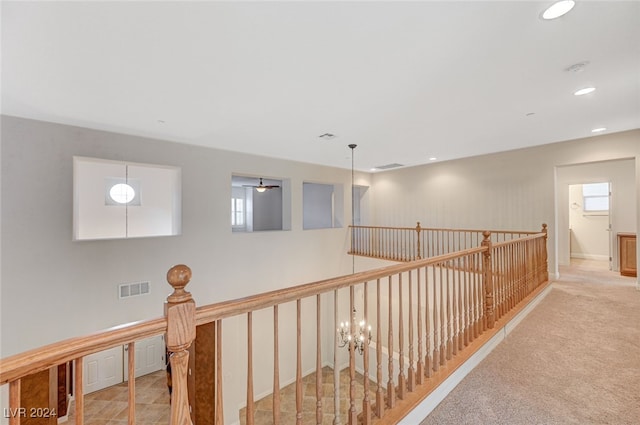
389, 166
133, 289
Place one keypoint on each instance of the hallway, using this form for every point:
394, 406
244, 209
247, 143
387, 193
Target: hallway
573, 360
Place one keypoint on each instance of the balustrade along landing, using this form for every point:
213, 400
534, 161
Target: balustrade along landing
405, 328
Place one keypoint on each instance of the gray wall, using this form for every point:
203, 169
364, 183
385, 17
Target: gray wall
513, 190
54, 288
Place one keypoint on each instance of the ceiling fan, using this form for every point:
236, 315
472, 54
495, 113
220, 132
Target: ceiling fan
262, 187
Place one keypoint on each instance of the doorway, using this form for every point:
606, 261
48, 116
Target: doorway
590, 222
621, 174
110, 367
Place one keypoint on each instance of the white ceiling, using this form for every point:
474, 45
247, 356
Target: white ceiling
405, 81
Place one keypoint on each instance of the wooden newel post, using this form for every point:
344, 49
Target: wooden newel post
488, 280
418, 230
180, 311
545, 259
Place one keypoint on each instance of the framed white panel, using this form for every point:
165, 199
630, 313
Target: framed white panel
152, 209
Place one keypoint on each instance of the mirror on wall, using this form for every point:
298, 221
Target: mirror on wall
116, 199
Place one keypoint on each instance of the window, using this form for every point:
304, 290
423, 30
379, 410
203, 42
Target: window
595, 197
323, 206
237, 212
259, 204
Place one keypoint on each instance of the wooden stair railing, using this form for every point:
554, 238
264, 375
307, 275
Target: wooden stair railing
459, 297
415, 243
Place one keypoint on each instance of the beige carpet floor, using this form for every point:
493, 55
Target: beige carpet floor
574, 360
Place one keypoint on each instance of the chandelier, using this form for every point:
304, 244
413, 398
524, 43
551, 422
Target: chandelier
359, 336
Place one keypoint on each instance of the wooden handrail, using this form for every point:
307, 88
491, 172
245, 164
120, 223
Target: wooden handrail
464, 294
39, 359
211, 313
446, 229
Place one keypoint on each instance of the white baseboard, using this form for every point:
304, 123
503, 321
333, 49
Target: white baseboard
431, 402
590, 256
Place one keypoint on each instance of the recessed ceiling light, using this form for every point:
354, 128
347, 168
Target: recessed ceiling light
584, 91
558, 9
373, 169
433, 158
598, 130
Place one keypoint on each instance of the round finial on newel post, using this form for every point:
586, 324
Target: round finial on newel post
178, 277
544, 227
487, 235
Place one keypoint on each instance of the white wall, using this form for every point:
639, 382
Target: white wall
624, 198
55, 288
589, 231
507, 190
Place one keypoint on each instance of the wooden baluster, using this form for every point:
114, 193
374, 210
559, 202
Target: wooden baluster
395, 245
513, 282
353, 414
78, 390
380, 391
366, 402
450, 336
298, 363
443, 321
131, 358
249, 411
545, 259
517, 271
420, 370
473, 281
14, 402
436, 321
501, 280
411, 373
419, 249
181, 331
467, 315
428, 363
460, 262
219, 400
488, 281
276, 369
391, 391
455, 296
402, 380
336, 369
318, 362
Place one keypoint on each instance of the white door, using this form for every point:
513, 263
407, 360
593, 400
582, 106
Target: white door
149, 357
103, 369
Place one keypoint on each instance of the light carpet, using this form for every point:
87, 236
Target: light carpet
575, 359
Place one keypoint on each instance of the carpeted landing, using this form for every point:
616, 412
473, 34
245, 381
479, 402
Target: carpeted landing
575, 359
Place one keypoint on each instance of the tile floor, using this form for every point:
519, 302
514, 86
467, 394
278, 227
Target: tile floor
109, 406
264, 407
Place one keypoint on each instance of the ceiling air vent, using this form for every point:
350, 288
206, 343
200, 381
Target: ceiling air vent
388, 166
327, 136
